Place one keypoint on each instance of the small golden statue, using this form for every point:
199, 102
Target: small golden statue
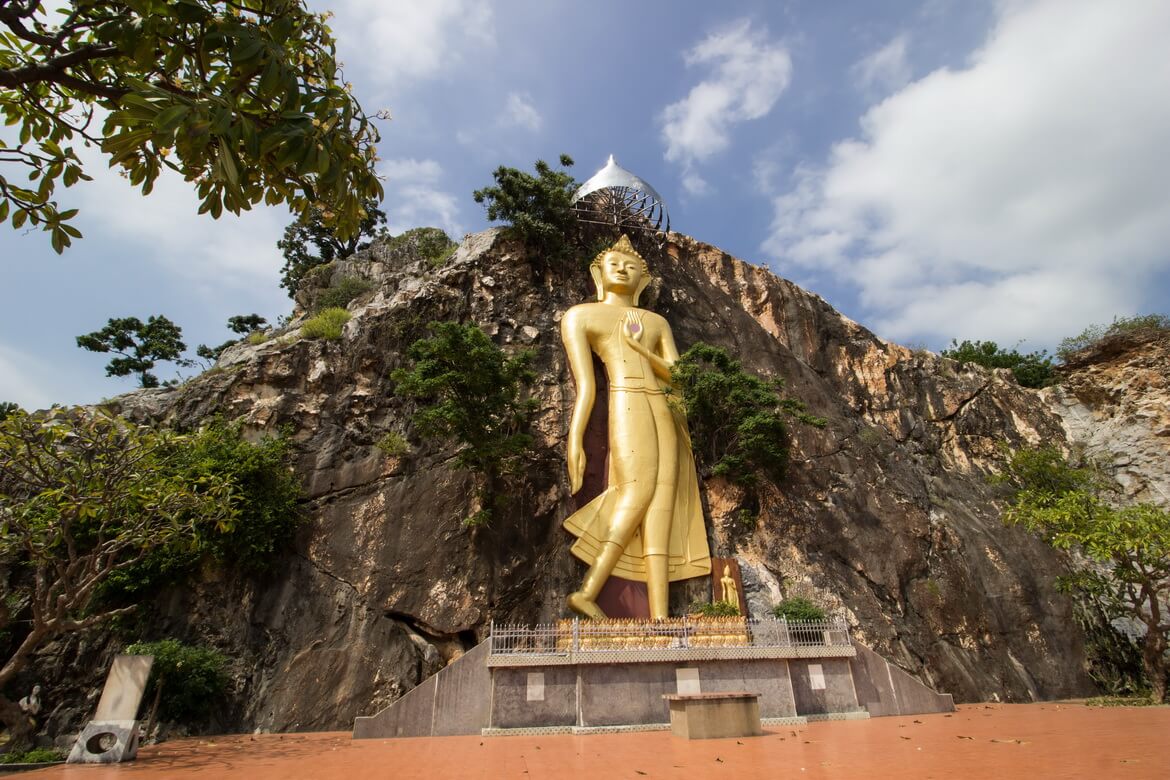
730, 591
648, 524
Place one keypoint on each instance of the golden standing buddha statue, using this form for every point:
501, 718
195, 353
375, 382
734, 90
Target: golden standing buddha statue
648, 524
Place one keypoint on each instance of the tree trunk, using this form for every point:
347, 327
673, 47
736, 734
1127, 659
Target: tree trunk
1153, 656
19, 725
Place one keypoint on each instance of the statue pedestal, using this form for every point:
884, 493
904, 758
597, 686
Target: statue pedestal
586, 677
624, 599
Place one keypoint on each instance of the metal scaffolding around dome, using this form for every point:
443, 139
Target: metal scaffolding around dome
615, 198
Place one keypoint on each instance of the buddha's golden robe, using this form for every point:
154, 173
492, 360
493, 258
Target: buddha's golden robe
632, 383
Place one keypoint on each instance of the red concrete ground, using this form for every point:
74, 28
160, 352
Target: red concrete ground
1023, 741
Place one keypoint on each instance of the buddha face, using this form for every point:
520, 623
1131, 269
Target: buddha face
621, 272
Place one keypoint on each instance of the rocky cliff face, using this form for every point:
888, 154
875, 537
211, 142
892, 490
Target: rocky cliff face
1115, 401
885, 513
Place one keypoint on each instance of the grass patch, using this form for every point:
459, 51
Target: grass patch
257, 337
1120, 701
326, 324
34, 756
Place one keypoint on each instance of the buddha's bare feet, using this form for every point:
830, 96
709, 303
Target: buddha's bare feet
585, 606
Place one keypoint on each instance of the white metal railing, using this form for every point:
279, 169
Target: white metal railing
600, 636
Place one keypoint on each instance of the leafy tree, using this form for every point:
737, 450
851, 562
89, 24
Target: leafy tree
243, 99
311, 241
185, 680
469, 390
736, 419
83, 496
1128, 546
243, 324
264, 497
536, 207
140, 344
1145, 323
7, 408
1033, 369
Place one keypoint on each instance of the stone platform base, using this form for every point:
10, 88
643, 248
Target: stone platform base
473, 696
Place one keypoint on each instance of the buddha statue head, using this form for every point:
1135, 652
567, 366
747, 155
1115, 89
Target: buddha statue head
620, 268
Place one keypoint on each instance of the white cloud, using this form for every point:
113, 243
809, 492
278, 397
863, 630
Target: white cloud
399, 40
884, 70
26, 380
238, 251
1022, 196
748, 73
415, 199
519, 112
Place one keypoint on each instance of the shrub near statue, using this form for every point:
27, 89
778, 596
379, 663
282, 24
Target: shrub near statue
648, 524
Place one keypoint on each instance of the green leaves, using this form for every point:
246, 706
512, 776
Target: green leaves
1071, 507
470, 391
736, 419
84, 495
192, 678
537, 207
1033, 369
244, 100
310, 242
140, 344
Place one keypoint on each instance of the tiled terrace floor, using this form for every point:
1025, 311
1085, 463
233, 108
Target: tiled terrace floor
1002, 742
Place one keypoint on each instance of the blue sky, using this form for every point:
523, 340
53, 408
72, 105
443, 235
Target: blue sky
935, 169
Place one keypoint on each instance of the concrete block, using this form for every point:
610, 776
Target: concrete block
715, 715
106, 742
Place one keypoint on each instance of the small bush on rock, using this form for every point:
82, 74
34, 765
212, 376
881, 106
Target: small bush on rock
1033, 369
393, 444
326, 324
339, 294
798, 608
1148, 323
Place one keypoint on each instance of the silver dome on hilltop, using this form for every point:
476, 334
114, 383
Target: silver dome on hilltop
614, 197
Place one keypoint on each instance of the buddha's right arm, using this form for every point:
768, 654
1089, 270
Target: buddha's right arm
576, 343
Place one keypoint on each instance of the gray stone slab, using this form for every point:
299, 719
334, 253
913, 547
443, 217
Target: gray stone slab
914, 698
875, 689
463, 698
125, 685
839, 694
626, 694
885, 689
409, 716
513, 705
809, 701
